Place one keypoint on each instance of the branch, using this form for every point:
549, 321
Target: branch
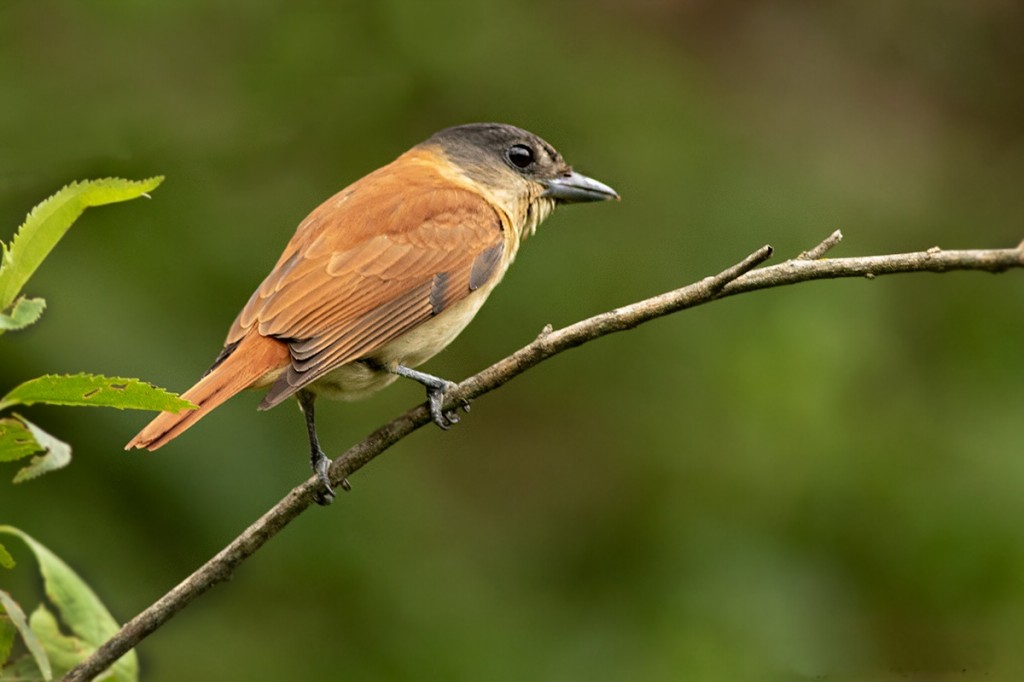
739, 278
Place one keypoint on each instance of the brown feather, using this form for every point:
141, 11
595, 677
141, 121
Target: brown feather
253, 358
316, 357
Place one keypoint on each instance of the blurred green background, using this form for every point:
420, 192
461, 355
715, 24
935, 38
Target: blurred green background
823, 482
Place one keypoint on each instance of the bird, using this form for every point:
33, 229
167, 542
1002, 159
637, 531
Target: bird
385, 274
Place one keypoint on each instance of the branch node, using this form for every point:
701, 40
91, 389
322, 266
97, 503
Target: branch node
545, 332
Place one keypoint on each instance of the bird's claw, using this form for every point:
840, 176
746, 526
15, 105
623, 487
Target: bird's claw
437, 391
321, 467
445, 419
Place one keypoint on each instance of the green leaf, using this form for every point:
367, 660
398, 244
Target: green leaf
25, 312
6, 560
23, 669
48, 221
57, 454
78, 606
32, 643
64, 651
16, 441
94, 390
7, 634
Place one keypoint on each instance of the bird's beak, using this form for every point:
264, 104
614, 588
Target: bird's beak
576, 188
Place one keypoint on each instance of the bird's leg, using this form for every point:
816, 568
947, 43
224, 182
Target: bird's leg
317, 459
436, 390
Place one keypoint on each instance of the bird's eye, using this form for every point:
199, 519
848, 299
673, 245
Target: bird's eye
520, 156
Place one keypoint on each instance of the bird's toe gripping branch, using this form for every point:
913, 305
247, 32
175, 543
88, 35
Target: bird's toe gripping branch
437, 392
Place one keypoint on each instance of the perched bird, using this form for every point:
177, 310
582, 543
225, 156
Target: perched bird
385, 274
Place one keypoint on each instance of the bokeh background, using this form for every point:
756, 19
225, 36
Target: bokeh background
817, 482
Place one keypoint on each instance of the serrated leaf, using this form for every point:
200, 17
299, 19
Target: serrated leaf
56, 455
49, 220
78, 606
16, 441
6, 560
32, 643
94, 390
25, 312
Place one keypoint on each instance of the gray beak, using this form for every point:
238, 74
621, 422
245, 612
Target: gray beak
576, 188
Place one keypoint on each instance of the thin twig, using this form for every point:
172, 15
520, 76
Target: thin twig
739, 278
821, 249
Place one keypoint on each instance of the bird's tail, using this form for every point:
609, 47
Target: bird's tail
254, 358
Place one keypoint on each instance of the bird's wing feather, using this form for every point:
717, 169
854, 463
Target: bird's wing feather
369, 265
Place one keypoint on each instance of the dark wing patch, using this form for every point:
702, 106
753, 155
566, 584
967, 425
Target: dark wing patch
438, 289
485, 265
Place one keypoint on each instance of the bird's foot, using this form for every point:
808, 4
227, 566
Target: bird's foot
437, 392
321, 464
436, 395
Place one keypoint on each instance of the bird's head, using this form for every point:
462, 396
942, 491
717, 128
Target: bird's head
516, 170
